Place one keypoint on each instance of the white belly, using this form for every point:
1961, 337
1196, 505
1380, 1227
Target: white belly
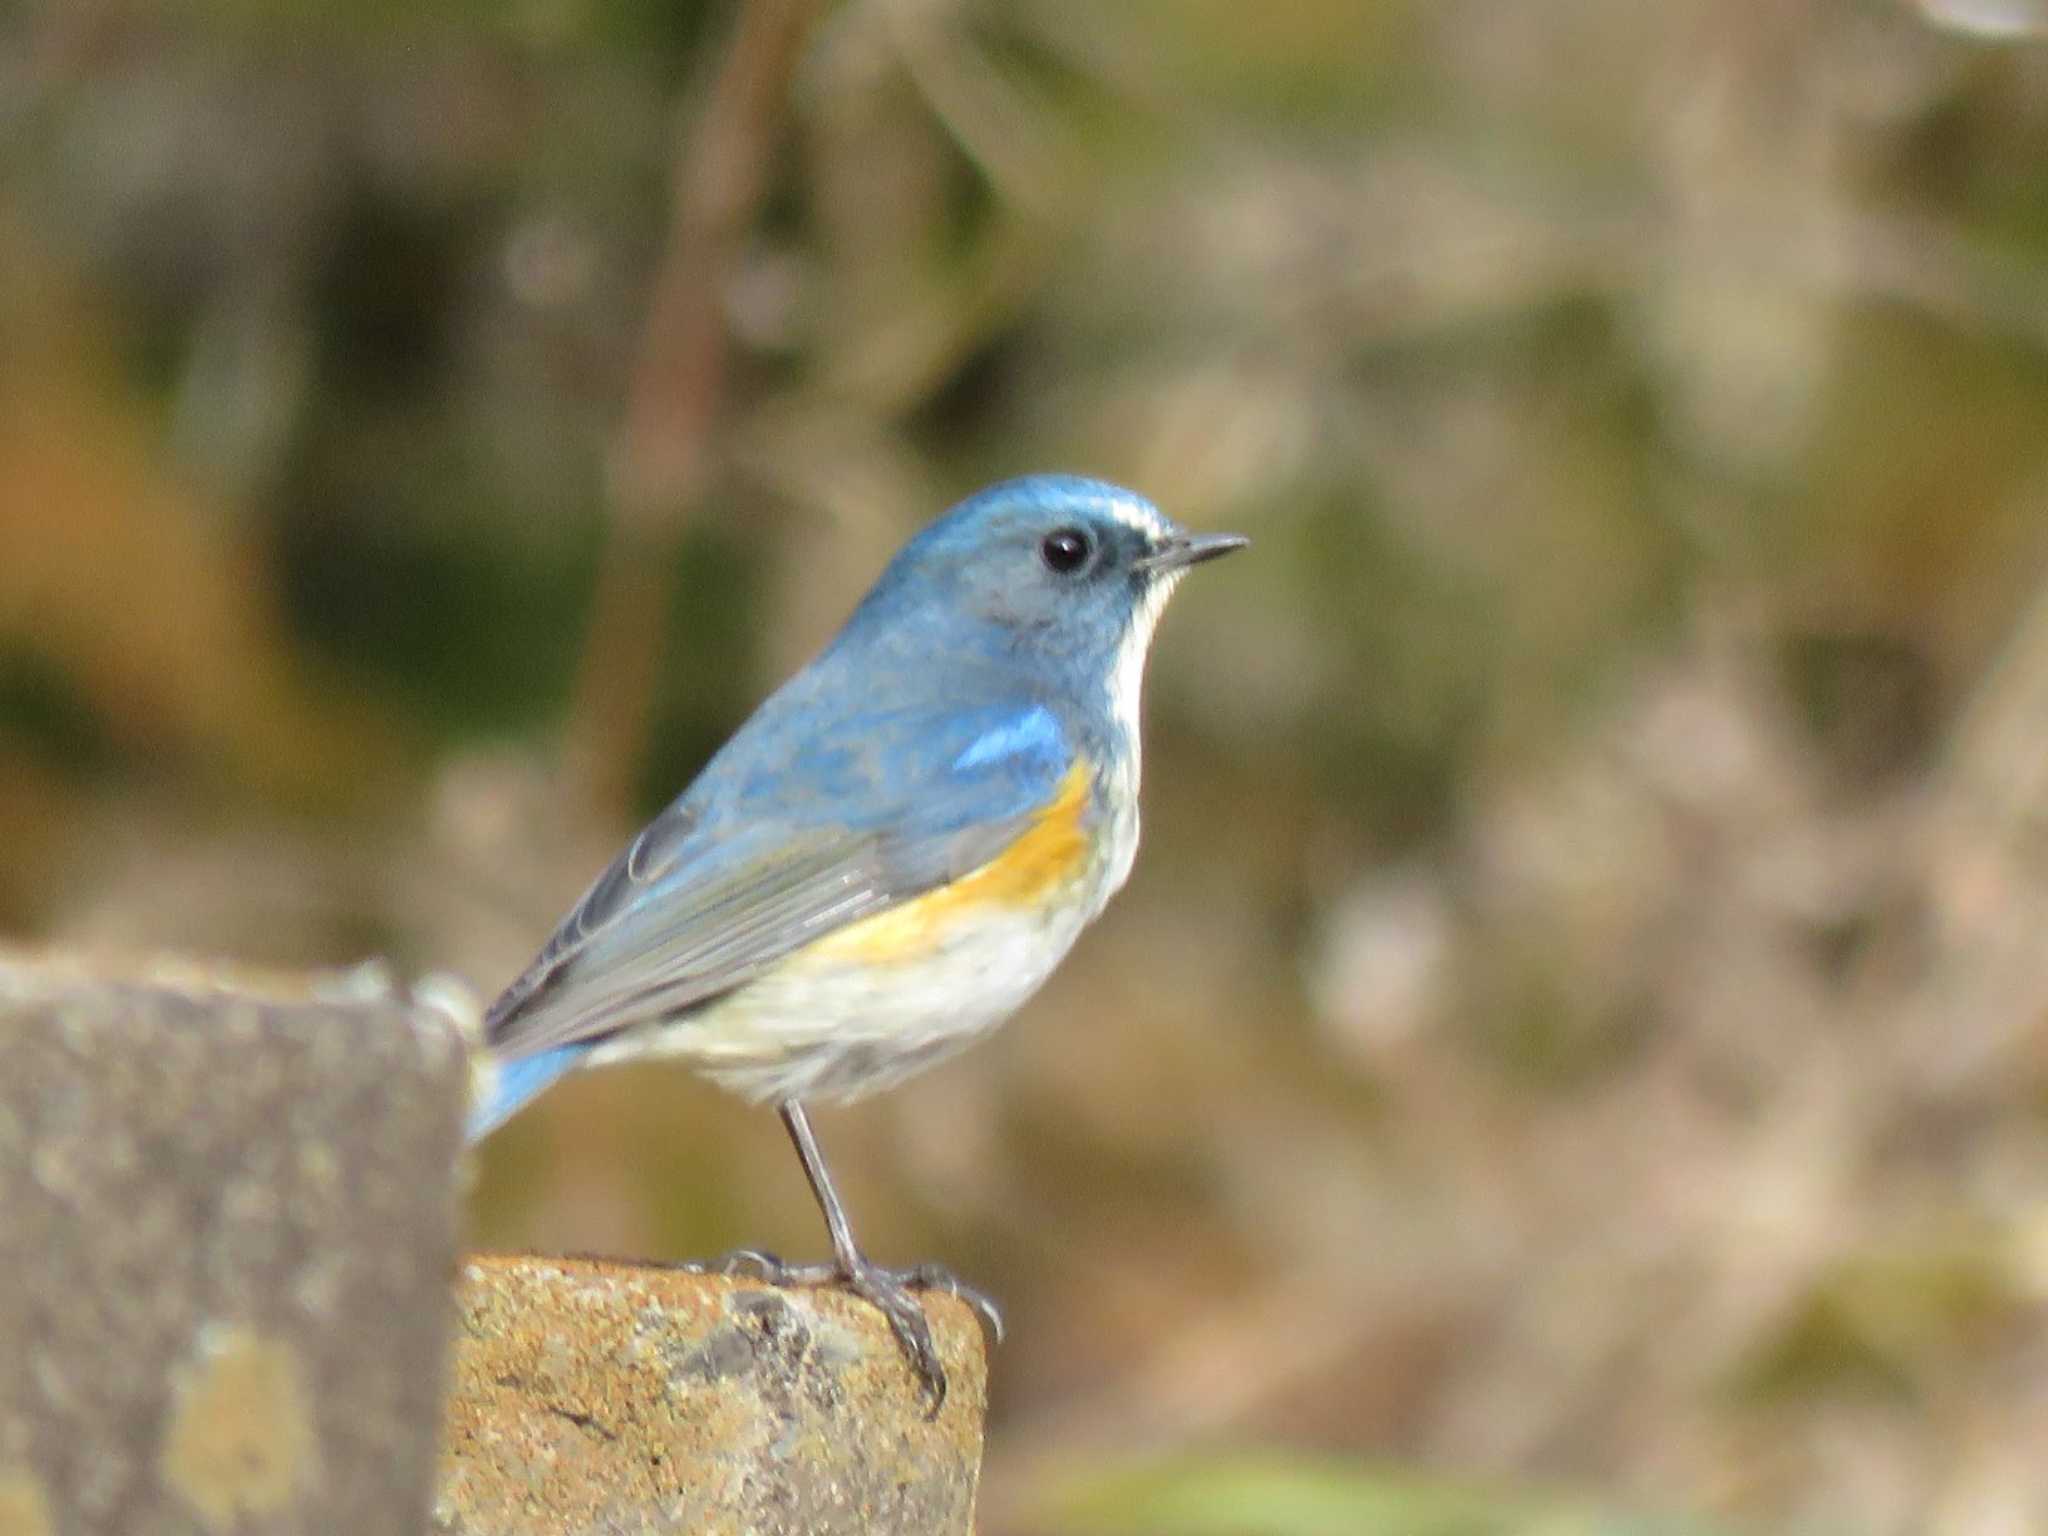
827, 1025
839, 1028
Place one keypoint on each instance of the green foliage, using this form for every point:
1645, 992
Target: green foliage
473, 634
1239, 1494
48, 713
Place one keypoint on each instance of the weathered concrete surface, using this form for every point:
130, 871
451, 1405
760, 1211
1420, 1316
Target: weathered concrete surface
227, 1225
590, 1397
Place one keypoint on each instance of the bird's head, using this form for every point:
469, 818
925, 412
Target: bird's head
1051, 571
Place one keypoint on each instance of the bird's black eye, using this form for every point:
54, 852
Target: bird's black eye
1066, 550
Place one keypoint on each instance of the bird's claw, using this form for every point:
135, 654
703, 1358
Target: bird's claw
892, 1292
936, 1277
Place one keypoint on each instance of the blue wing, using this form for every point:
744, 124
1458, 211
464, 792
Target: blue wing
772, 847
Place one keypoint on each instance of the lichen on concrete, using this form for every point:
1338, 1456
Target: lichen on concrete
240, 1441
595, 1397
230, 1221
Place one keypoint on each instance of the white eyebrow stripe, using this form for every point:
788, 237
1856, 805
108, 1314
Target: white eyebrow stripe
1138, 515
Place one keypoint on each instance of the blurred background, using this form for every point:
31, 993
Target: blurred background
1574, 1052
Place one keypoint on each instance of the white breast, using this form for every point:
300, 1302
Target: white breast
1126, 690
842, 1028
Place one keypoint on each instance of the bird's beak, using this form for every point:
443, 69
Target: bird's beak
1184, 549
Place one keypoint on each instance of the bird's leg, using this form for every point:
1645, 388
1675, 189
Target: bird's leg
888, 1290
847, 1254
875, 1285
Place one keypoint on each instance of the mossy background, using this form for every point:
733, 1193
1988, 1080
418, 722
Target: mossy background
1574, 1053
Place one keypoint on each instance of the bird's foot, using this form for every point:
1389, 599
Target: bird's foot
889, 1292
892, 1292
936, 1277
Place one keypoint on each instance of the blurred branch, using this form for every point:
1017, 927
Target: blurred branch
659, 459
988, 112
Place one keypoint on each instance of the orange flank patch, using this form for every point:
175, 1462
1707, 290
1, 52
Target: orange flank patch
1051, 852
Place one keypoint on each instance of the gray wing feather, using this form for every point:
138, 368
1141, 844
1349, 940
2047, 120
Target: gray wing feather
657, 934
653, 850
751, 864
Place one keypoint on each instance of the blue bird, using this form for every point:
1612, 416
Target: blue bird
891, 855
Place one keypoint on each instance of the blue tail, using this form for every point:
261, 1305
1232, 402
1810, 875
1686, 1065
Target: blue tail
518, 1083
